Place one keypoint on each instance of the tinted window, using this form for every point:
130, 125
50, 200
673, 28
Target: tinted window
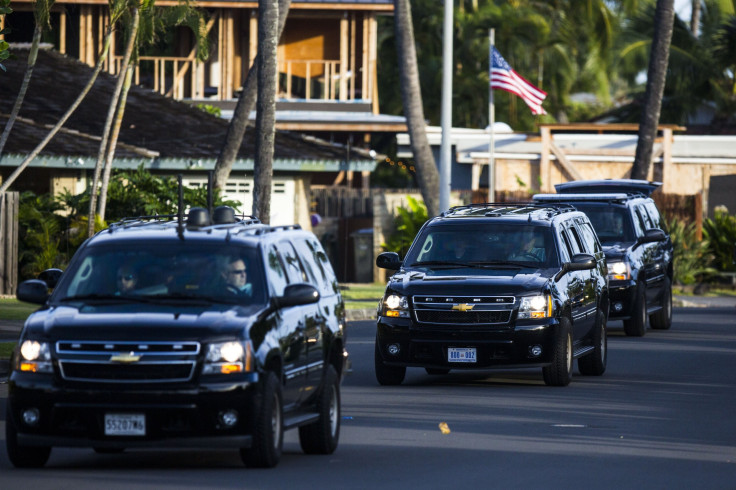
611, 223
577, 241
176, 269
442, 246
567, 248
654, 215
314, 271
644, 217
589, 236
294, 268
275, 271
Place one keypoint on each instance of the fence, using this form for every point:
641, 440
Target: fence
9, 203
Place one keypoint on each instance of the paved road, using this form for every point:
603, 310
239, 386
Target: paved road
661, 417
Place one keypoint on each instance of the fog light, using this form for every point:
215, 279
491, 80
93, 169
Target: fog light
228, 418
30, 416
393, 349
618, 307
535, 350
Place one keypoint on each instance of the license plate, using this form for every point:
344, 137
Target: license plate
461, 354
118, 424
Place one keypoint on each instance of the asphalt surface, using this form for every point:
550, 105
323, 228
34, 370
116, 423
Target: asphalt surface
659, 418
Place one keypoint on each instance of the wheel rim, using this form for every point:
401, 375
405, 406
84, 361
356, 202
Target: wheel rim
276, 421
334, 411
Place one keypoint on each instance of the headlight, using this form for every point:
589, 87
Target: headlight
228, 357
539, 306
619, 271
395, 306
34, 357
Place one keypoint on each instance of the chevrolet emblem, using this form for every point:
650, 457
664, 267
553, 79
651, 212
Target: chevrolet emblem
126, 358
463, 307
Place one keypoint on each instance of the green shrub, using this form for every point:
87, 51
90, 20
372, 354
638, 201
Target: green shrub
691, 259
407, 225
721, 235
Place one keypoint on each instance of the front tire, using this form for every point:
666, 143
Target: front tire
594, 364
662, 320
267, 426
387, 375
22, 456
637, 325
322, 436
559, 373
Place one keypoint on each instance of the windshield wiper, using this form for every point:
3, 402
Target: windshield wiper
125, 298
442, 262
188, 298
500, 263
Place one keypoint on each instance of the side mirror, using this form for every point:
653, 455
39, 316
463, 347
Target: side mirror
388, 260
579, 262
33, 291
296, 295
51, 277
652, 235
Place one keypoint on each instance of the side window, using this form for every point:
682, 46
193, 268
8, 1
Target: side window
565, 252
638, 221
571, 250
644, 217
654, 215
323, 264
275, 271
308, 261
294, 268
577, 240
590, 237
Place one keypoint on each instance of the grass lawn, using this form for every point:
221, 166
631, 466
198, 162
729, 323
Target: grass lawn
12, 309
5, 349
359, 296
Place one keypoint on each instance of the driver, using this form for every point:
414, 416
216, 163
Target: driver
235, 276
527, 249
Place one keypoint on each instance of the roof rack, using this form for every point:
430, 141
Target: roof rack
558, 207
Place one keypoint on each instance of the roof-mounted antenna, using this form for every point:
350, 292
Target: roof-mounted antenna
180, 212
210, 203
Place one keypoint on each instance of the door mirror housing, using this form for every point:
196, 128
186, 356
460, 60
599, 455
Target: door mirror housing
579, 262
651, 235
33, 291
51, 277
388, 260
297, 295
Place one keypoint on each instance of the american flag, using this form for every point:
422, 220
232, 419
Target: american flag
505, 78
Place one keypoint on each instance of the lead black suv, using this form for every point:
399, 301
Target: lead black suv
145, 343
496, 285
636, 243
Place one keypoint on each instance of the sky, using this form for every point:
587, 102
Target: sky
682, 9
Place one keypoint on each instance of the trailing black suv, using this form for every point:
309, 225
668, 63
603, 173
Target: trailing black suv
496, 285
636, 243
174, 332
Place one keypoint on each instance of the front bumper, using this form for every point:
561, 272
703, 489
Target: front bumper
622, 295
174, 416
504, 346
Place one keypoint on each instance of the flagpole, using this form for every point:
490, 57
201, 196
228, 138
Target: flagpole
492, 122
446, 117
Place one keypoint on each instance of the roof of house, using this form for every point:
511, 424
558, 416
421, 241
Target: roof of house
155, 128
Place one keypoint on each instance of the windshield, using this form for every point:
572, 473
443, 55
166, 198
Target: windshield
171, 271
610, 223
482, 247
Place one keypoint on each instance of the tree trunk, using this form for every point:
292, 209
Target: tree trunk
32, 55
695, 17
411, 96
109, 121
239, 122
664, 17
114, 140
101, 59
268, 41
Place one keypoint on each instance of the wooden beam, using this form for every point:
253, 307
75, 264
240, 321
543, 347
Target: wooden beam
603, 127
364, 62
327, 126
253, 44
667, 140
544, 167
562, 160
337, 5
352, 56
344, 46
62, 32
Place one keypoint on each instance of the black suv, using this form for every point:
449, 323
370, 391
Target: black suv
636, 243
174, 332
496, 285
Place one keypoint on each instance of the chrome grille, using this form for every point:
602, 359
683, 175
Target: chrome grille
463, 310
127, 361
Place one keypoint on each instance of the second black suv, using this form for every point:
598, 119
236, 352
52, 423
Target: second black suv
496, 285
182, 332
636, 243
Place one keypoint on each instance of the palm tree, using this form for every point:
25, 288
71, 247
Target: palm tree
664, 17
4, 52
268, 41
411, 96
246, 103
41, 9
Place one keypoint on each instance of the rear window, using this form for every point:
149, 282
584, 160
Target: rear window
611, 223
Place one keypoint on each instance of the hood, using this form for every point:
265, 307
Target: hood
136, 321
615, 251
505, 283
